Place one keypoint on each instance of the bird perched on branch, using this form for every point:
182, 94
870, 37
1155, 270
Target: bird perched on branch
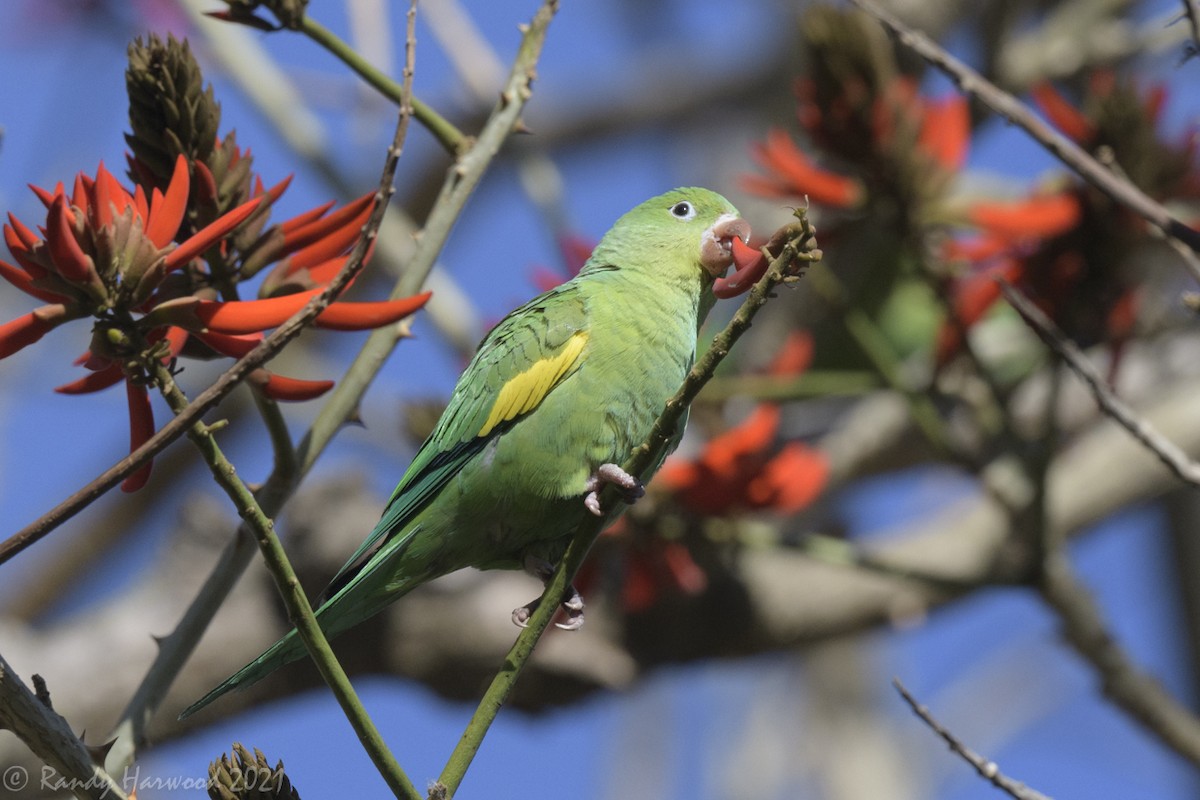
557, 396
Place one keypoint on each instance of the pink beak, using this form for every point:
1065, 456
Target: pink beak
716, 246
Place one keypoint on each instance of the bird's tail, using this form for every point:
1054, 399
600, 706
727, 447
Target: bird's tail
288, 649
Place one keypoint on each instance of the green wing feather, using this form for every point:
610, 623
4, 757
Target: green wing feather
526, 349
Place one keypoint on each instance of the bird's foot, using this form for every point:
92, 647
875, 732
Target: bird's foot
571, 603
631, 488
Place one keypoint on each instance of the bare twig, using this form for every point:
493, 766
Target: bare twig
988, 770
1133, 691
1004, 104
1191, 8
1167, 451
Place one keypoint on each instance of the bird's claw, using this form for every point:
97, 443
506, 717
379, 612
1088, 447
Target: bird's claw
571, 603
631, 488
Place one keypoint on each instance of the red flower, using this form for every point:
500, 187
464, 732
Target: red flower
740, 470
110, 254
907, 145
790, 173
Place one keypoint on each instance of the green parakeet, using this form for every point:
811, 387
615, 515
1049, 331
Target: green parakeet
558, 394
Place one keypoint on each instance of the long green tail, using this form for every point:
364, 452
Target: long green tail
288, 649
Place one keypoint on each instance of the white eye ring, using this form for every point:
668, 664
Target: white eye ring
683, 210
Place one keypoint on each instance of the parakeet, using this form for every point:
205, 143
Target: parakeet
556, 397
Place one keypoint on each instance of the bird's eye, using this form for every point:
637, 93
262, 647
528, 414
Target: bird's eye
683, 211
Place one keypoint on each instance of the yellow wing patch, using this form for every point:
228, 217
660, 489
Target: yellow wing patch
523, 392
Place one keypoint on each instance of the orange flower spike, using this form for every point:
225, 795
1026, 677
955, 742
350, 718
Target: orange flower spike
1035, 217
167, 210
22, 280
361, 316
1062, 115
946, 131
141, 428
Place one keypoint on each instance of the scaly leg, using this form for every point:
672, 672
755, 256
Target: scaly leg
572, 601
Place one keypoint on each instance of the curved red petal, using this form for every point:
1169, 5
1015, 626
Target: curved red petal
750, 265
72, 263
140, 204
93, 381
946, 131
230, 345
1062, 115
209, 234
250, 316
794, 356
291, 390
360, 316
1035, 217
287, 226
794, 169
47, 198
23, 331
166, 215
141, 428
23, 281
328, 236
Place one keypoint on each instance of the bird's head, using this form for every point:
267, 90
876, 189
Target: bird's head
682, 229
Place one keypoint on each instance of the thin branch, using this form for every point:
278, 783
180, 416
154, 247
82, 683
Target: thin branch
1191, 9
1083, 624
51, 739
798, 251
987, 770
447, 135
879, 351
300, 612
1135, 692
1167, 451
1007, 106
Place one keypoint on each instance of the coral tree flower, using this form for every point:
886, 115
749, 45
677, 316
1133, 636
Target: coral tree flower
110, 254
742, 469
910, 143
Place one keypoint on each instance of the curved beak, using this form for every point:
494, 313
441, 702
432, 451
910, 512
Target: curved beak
716, 245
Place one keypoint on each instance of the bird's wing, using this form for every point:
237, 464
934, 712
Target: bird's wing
518, 364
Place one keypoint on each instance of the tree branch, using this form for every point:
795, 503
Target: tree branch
53, 741
987, 770
1168, 452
